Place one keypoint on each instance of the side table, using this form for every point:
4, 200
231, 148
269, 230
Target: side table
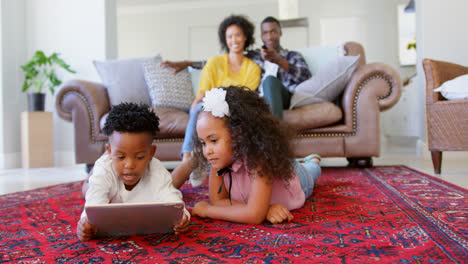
37, 139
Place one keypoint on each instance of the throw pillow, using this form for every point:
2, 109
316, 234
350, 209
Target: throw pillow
327, 84
317, 57
124, 80
454, 89
167, 89
195, 75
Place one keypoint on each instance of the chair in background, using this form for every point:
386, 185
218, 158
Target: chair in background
447, 120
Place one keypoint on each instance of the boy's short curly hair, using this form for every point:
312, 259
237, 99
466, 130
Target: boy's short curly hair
241, 21
131, 118
258, 137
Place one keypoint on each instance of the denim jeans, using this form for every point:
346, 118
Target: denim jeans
308, 174
276, 95
187, 146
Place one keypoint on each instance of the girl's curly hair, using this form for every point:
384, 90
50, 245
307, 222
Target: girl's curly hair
241, 21
131, 118
258, 136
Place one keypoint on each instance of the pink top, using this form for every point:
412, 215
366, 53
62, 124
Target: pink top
291, 196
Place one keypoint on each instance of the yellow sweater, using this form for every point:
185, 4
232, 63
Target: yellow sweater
216, 73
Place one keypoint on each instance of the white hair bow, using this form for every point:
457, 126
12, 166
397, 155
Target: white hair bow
215, 102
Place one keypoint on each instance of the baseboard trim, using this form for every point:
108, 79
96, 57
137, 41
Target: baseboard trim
10, 160
64, 158
13, 160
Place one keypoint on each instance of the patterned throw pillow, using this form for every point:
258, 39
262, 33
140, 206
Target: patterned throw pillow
165, 88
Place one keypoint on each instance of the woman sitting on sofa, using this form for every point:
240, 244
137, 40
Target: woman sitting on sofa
231, 69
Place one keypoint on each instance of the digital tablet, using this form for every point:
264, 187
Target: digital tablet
119, 219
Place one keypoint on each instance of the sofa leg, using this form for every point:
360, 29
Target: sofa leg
363, 162
436, 160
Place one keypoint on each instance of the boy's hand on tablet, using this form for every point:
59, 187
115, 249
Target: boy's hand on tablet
277, 214
85, 230
182, 226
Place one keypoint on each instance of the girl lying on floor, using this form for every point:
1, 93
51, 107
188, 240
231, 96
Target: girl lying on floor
253, 175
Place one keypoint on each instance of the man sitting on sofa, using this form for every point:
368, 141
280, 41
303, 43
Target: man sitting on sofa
282, 70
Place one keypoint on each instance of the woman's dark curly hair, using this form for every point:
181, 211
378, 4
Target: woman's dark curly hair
258, 136
131, 118
241, 21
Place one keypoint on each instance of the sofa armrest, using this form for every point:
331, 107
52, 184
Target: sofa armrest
374, 85
83, 103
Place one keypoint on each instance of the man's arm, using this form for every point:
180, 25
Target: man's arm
274, 57
298, 69
294, 65
180, 65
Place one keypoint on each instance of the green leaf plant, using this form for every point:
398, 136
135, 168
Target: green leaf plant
40, 72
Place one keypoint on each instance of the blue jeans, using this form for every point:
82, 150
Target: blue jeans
308, 174
190, 130
276, 95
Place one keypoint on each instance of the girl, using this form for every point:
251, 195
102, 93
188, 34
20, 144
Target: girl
253, 174
233, 68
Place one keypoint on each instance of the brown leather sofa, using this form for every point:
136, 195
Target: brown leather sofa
351, 130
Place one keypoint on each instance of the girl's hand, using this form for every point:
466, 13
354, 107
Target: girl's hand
84, 230
200, 209
182, 226
277, 214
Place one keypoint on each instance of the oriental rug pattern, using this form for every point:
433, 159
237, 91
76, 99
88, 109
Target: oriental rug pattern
390, 214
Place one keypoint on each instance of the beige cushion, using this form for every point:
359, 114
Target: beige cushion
313, 116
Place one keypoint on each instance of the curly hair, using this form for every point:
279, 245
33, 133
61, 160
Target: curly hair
131, 118
241, 21
258, 136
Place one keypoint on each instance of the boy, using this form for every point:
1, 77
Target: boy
127, 172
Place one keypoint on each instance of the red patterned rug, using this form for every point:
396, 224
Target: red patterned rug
380, 215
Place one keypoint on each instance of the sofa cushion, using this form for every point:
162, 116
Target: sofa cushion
172, 122
195, 75
167, 89
317, 57
454, 89
312, 116
124, 80
327, 84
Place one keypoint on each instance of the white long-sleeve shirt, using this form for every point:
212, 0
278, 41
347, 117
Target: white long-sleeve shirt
105, 185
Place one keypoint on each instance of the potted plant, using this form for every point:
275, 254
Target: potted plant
40, 74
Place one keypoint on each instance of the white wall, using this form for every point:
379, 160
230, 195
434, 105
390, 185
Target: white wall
12, 100
441, 35
80, 30
166, 28
80, 38
172, 28
379, 18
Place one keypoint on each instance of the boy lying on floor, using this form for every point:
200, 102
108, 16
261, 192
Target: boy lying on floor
127, 172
